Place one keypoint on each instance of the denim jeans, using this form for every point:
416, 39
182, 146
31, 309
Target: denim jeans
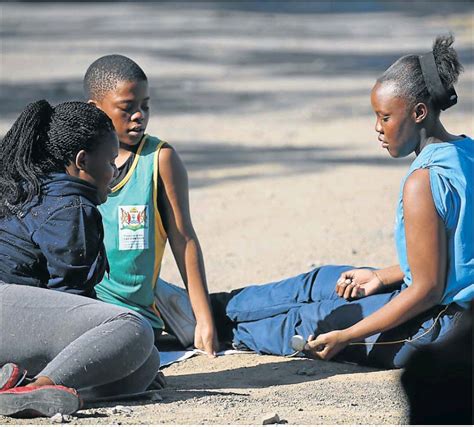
265, 317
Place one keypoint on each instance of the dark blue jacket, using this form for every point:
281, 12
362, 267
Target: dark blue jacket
55, 242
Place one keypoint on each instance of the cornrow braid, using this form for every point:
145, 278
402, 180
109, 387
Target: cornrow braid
43, 140
105, 73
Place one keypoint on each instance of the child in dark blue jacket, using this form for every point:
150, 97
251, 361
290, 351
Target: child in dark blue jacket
33, 241
56, 165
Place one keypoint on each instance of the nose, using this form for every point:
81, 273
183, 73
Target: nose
138, 115
378, 126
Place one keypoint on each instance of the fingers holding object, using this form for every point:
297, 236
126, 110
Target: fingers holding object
342, 284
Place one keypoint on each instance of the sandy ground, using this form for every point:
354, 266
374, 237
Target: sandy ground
268, 105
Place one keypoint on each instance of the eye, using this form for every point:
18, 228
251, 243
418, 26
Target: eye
385, 118
145, 107
125, 108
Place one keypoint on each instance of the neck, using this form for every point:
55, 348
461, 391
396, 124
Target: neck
433, 134
125, 151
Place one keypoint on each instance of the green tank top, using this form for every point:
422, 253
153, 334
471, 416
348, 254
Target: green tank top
134, 236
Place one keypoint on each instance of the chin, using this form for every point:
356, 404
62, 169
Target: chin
130, 142
102, 198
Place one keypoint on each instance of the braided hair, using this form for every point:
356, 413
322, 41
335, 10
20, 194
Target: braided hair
408, 78
42, 140
105, 73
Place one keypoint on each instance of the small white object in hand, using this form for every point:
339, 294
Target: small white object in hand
297, 342
348, 281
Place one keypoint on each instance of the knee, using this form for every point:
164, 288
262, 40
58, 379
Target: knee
155, 361
141, 331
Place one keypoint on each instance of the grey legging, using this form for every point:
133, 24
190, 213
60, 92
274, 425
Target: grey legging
94, 347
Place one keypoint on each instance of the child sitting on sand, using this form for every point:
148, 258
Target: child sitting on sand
148, 205
56, 164
379, 317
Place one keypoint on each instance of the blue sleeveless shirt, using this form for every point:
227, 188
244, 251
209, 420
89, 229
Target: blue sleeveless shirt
451, 168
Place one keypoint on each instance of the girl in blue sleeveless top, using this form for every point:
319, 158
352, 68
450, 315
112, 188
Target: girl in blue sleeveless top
379, 317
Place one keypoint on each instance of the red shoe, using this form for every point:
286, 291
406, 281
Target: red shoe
11, 375
42, 401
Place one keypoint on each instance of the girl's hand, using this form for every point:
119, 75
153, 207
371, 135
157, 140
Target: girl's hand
358, 283
325, 346
205, 338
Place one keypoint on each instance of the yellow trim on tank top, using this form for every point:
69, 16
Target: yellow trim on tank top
132, 168
154, 308
158, 221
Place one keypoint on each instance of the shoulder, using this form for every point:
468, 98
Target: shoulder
170, 163
417, 183
417, 195
75, 209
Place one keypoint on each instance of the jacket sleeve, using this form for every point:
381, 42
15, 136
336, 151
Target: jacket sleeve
71, 240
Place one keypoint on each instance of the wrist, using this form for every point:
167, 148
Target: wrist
205, 318
379, 277
345, 336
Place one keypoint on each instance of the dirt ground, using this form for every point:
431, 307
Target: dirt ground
268, 105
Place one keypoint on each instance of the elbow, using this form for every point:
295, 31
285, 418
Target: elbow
434, 298
431, 295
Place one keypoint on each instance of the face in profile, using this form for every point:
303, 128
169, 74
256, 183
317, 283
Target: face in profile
128, 107
395, 120
98, 166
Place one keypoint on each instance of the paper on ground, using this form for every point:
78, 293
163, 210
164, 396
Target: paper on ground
169, 357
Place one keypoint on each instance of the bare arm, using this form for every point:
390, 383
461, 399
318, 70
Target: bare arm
427, 257
390, 276
174, 205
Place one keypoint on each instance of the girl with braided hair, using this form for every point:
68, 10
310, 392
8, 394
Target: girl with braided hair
56, 165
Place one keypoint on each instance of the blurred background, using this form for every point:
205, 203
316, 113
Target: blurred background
268, 104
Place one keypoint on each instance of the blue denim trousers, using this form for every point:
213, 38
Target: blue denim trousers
265, 317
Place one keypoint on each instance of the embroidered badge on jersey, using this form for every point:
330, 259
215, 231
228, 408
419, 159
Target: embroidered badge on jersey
133, 227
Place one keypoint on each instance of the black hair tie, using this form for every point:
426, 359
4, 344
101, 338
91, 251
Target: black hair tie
442, 97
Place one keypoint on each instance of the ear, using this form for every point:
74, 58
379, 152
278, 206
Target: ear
81, 160
420, 111
96, 103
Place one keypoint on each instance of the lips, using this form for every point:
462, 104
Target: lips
136, 130
383, 143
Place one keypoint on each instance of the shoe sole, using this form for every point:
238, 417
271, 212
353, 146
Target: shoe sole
41, 402
10, 376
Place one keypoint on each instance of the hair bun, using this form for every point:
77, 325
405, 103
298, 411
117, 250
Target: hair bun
446, 59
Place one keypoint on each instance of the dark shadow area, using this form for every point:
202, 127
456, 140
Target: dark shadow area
414, 7
204, 157
296, 371
438, 378
301, 7
172, 96
294, 160
206, 22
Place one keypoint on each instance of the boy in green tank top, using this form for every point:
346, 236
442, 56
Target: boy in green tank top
148, 206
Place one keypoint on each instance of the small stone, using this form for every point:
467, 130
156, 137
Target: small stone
307, 372
271, 418
120, 409
60, 418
